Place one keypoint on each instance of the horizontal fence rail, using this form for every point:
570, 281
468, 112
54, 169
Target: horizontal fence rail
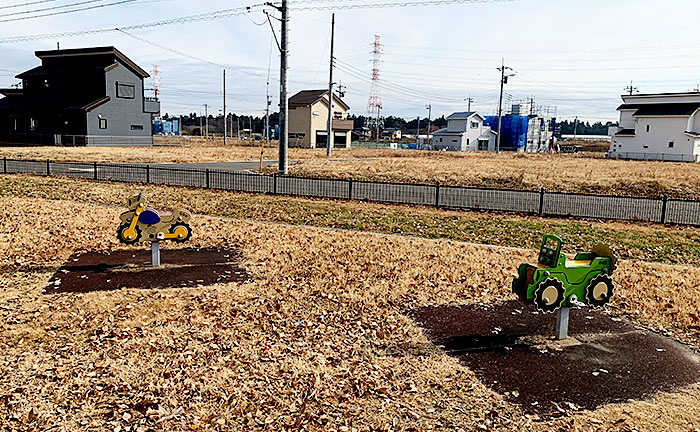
543, 203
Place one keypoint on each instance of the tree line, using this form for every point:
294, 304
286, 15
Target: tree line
191, 124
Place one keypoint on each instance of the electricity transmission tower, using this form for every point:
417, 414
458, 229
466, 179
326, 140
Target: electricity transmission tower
374, 104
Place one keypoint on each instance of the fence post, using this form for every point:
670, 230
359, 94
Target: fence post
541, 201
207, 176
437, 194
94, 166
148, 173
663, 209
48, 167
4, 165
350, 188
274, 184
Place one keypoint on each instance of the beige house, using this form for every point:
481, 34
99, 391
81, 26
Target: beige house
308, 120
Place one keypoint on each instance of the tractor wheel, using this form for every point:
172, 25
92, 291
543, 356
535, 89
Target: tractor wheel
183, 231
122, 238
599, 290
549, 295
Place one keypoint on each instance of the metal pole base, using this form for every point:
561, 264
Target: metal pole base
561, 329
155, 253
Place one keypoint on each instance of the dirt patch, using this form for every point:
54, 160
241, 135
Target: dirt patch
105, 271
510, 347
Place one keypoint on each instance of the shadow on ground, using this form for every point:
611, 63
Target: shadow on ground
181, 268
510, 348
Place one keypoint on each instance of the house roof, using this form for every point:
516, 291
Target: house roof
310, 97
11, 91
670, 109
81, 52
624, 132
37, 71
463, 115
445, 131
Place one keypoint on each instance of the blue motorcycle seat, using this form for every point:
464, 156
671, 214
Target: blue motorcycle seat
149, 217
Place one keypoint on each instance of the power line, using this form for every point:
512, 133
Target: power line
209, 16
27, 4
69, 11
199, 59
51, 8
344, 4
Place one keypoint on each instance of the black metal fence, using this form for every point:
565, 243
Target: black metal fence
543, 203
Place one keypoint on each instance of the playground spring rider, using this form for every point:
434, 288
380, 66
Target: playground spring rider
140, 224
556, 283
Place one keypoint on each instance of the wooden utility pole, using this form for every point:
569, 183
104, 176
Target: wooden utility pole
206, 121
225, 121
329, 137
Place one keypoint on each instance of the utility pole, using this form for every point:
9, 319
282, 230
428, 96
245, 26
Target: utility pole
225, 120
329, 137
469, 101
284, 109
201, 126
504, 80
379, 111
430, 122
206, 121
418, 133
575, 125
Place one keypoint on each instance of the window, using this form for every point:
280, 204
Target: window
454, 140
648, 126
670, 144
475, 125
440, 139
126, 91
646, 146
103, 123
136, 127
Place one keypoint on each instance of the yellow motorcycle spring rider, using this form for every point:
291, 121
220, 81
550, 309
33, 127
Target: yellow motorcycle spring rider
141, 224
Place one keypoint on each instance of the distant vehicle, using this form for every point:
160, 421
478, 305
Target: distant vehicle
570, 148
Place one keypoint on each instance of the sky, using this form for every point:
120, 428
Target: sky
575, 55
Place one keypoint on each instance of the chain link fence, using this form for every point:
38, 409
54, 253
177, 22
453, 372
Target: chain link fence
543, 203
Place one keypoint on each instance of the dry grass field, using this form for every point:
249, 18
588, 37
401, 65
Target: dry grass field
189, 150
317, 341
586, 172
561, 173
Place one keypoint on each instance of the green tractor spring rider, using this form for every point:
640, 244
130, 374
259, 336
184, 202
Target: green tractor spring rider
555, 281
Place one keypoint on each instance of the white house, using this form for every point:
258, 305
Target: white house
465, 131
664, 126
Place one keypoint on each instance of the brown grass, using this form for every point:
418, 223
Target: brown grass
563, 173
318, 341
557, 173
186, 150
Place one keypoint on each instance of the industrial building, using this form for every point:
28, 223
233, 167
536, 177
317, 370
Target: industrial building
308, 120
88, 96
662, 126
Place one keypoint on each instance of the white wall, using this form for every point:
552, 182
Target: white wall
662, 130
